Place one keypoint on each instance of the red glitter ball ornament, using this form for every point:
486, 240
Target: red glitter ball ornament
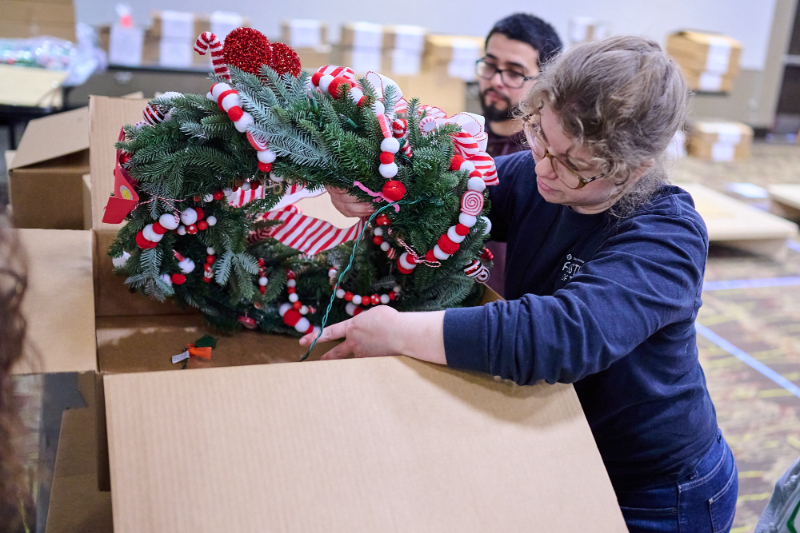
247, 49
284, 59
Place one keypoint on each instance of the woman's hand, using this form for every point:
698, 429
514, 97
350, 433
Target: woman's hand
348, 205
382, 331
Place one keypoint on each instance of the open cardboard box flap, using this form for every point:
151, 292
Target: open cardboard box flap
52, 137
386, 444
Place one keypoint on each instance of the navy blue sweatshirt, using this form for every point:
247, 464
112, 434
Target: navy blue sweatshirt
608, 305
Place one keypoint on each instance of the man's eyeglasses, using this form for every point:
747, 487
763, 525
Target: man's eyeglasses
511, 78
565, 173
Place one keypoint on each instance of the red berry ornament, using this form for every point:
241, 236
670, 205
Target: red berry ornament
219, 195
191, 229
387, 158
382, 220
394, 190
124, 157
284, 59
202, 225
178, 279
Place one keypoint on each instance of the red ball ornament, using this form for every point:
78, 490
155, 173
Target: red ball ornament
262, 289
178, 279
430, 257
394, 190
202, 225
365, 299
357, 311
144, 243
219, 195
235, 113
375, 299
392, 295
315, 78
207, 267
447, 246
377, 240
292, 317
264, 167
284, 59
247, 49
487, 254
158, 228
247, 322
290, 275
337, 86
348, 297
123, 158
210, 259
191, 229
297, 305
456, 162
292, 290
261, 262
200, 212
382, 220
387, 158
462, 230
207, 280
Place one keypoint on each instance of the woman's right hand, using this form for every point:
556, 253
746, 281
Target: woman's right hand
348, 205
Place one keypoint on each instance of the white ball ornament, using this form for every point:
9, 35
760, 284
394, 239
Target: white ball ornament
378, 108
467, 220
324, 82
293, 298
488, 227
357, 299
397, 289
454, 236
388, 171
467, 165
210, 96
304, 310
211, 220
439, 254
189, 217
476, 184
151, 235
378, 232
385, 246
350, 308
243, 123
291, 283
186, 266
340, 293
283, 308
246, 186
302, 325
181, 230
263, 281
274, 177
211, 251
390, 144
208, 198
385, 299
169, 221
266, 156
121, 260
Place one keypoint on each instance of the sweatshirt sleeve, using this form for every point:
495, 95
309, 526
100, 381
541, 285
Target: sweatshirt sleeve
645, 277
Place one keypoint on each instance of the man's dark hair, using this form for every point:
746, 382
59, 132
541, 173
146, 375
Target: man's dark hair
531, 30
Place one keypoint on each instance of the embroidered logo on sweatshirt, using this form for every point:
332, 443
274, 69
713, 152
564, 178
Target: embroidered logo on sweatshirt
571, 267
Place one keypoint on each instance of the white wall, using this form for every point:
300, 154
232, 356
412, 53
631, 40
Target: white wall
746, 20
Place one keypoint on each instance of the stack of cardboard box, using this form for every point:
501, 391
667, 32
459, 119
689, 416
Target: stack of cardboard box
710, 62
717, 140
361, 46
309, 38
586, 29
20, 19
402, 49
454, 55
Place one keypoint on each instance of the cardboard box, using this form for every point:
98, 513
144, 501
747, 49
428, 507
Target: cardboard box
179, 24
404, 37
31, 87
362, 35
455, 55
45, 177
305, 34
586, 29
354, 445
361, 60
313, 58
710, 62
718, 140
23, 19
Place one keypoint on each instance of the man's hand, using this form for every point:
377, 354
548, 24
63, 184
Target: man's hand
348, 205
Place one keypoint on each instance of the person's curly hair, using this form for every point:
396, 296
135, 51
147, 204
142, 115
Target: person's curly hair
13, 282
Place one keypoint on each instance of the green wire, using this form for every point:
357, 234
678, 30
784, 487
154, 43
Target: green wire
350, 264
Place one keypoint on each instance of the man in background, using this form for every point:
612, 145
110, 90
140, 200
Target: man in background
516, 48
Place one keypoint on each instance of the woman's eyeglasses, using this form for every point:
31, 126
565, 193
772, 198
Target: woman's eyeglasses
568, 175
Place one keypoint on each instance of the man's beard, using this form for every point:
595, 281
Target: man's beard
491, 113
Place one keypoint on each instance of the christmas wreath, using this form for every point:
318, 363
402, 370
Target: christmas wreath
207, 185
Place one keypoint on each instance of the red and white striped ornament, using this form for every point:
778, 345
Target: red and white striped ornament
357, 303
293, 311
208, 41
227, 98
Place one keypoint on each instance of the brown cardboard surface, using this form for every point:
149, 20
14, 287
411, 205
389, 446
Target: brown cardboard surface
690, 50
393, 35
313, 58
286, 33
58, 305
106, 118
38, 12
439, 48
15, 29
53, 136
435, 88
202, 23
385, 444
76, 504
704, 150
692, 78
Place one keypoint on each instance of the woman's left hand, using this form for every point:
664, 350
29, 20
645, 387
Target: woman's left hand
366, 335
384, 331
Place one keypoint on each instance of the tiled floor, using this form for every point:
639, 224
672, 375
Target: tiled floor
760, 419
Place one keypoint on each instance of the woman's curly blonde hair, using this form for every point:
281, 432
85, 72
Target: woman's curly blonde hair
624, 100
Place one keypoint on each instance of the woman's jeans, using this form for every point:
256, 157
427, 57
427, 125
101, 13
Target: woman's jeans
702, 501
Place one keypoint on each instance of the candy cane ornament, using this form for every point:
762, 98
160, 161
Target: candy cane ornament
208, 41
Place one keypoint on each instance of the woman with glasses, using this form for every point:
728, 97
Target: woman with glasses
603, 282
